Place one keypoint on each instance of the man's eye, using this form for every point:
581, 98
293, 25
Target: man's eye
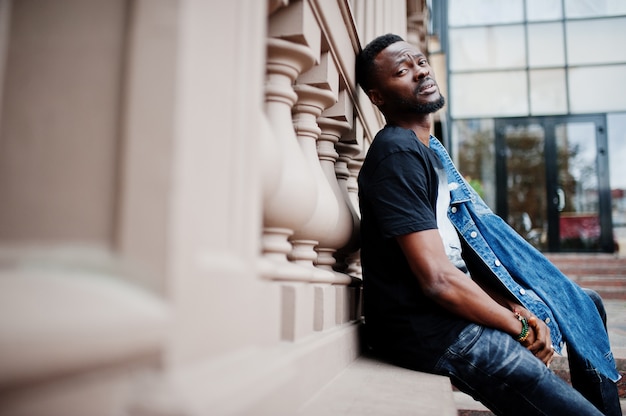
423, 62
402, 71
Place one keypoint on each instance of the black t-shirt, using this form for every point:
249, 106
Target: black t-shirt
398, 186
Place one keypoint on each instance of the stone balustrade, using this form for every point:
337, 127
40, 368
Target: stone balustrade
229, 139
311, 214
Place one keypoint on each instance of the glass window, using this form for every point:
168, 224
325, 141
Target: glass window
474, 151
487, 48
596, 41
537, 10
616, 133
547, 92
524, 186
578, 185
594, 8
484, 12
597, 89
488, 94
545, 45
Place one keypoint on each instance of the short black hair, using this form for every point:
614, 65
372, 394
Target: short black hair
365, 60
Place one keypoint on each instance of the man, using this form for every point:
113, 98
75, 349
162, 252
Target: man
449, 288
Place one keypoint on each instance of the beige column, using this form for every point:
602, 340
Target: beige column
311, 102
340, 235
293, 202
347, 171
221, 306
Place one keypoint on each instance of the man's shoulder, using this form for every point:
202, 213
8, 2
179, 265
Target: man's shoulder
395, 138
391, 140
398, 150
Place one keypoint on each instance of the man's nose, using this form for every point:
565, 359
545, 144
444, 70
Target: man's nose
421, 71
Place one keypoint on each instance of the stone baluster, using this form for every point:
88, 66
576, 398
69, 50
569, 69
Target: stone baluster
346, 153
293, 200
340, 235
311, 102
271, 170
297, 23
332, 131
354, 166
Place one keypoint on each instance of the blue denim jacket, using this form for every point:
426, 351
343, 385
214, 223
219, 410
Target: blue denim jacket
527, 274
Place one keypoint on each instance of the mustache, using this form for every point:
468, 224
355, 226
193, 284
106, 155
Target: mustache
422, 82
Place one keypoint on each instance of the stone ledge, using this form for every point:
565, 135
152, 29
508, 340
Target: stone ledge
57, 321
371, 387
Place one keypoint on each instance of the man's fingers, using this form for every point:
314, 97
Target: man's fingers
548, 355
541, 347
539, 342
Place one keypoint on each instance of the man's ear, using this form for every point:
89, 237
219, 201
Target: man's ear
375, 97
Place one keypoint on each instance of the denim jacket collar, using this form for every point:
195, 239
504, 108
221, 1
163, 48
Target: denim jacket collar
459, 190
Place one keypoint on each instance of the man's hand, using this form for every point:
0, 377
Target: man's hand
538, 341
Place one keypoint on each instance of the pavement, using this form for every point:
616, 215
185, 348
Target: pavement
616, 324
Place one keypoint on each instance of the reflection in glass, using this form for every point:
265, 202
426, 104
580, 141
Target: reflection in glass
475, 156
526, 182
579, 222
616, 129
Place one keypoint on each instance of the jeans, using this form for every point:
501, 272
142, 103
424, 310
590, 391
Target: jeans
498, 371
596, 388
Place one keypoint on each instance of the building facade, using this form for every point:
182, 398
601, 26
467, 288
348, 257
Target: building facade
538, 115
178, 214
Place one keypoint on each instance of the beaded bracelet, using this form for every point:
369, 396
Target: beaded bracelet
524, 334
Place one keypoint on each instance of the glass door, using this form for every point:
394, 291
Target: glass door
521, 178
552, 182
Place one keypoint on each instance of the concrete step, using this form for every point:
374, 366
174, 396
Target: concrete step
604, 273
581, 264
372, 387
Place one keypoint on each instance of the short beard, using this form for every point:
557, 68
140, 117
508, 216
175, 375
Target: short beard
426, 108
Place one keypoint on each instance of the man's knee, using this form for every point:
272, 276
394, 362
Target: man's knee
597, 300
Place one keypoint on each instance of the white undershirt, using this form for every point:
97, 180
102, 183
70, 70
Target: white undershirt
450, 238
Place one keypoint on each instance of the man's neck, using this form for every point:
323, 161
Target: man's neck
421, 126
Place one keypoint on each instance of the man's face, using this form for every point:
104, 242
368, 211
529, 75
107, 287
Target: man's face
405, 82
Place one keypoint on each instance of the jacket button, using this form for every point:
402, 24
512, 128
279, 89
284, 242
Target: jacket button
547, 320
498, 264
522, 291
473, 234
453, 210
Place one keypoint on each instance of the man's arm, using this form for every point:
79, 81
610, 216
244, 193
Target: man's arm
539, 337
460, 295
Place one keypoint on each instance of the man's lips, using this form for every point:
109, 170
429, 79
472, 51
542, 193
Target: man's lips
428, 86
